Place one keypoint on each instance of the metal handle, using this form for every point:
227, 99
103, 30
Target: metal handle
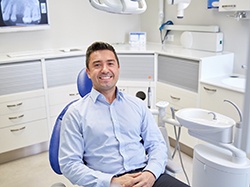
209, 89
73, 94
175, 98
19, 129
16, 117
15, 105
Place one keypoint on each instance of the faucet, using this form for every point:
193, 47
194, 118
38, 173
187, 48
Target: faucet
236, 107
214, 115
238, 125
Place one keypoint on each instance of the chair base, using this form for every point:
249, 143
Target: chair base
59, 184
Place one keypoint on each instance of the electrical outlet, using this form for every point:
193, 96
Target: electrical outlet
170, 38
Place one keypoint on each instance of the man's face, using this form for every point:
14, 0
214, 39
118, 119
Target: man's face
103, 70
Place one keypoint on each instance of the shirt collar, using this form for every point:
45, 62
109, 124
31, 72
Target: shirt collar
95, 95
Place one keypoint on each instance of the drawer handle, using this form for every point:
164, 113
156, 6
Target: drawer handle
73, 94
175, 98
16, 117
16, 130
209, 89
15, 105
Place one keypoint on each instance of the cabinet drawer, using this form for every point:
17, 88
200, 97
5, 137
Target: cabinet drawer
23, 135
176, 96
22, 117
63, 94
21, 105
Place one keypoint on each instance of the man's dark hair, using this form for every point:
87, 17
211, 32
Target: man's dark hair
96, 46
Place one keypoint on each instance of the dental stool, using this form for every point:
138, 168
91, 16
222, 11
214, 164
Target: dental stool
84, 85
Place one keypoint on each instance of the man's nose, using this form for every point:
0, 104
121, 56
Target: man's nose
104, 68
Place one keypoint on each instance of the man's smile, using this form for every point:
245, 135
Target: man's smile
106, 77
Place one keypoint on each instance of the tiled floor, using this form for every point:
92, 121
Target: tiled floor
35, 171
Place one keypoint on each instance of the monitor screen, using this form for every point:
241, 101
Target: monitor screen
23, 15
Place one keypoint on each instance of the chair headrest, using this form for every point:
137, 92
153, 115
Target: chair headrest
84, 83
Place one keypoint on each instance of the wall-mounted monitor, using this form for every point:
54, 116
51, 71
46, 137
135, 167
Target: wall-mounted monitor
23, 15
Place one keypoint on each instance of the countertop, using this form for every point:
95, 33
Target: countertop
150, 48
219, 82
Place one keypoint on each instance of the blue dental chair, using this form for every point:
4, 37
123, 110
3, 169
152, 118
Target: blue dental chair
84, 85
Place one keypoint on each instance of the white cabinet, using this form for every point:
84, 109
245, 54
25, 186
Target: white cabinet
23, 115
61, 74
212, 98
178, 82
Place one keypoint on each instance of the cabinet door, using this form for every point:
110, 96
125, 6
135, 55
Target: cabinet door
20, 77
212, 98
182, 73
137, 67
63, 71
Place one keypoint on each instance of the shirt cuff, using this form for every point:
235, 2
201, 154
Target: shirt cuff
155, 169
106, 179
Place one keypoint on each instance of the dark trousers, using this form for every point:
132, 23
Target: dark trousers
166, 180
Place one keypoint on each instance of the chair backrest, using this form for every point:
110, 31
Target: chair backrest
84, 85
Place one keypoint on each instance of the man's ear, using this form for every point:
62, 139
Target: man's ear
88, 73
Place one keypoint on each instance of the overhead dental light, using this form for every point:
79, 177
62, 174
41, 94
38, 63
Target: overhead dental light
181, 5
120, 6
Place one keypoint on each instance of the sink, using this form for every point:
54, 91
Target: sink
206, 125
237, 82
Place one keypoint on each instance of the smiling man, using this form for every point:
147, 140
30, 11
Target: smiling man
103, 69
109, 138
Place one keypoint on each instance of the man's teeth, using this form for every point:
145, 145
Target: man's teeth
107, 77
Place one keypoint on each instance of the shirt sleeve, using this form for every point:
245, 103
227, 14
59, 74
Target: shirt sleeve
71, 155
154, 144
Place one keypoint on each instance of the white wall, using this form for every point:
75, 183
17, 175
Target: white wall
73, 23
76, 23
236, 33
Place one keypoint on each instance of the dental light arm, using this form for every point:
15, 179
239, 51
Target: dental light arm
120, 6
181, 5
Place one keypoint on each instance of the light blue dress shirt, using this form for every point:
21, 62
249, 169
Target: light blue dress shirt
100, 140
